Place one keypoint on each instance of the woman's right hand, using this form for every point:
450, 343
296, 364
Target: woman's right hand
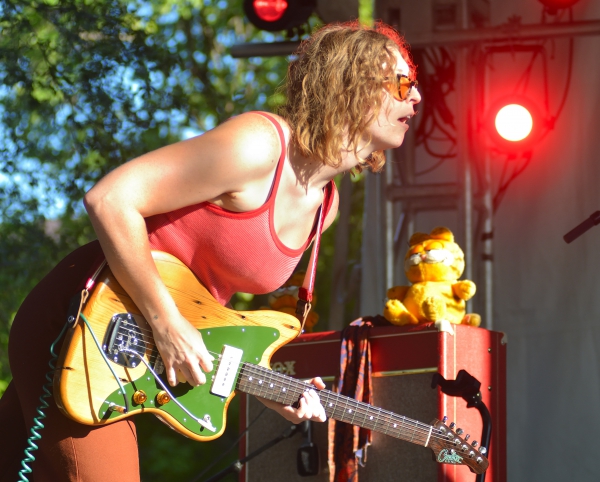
183, 351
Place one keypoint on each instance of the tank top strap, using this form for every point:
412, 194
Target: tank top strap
282, 156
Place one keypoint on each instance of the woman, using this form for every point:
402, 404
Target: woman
237, 205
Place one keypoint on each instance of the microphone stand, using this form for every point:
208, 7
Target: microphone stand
578, 230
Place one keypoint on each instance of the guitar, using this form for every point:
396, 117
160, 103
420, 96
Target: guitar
109, 369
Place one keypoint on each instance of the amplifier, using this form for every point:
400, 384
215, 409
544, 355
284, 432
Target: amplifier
404, 360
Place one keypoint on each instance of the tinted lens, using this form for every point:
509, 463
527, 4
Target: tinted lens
404, 86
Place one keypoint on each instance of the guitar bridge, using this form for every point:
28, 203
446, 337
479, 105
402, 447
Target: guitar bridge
124, 335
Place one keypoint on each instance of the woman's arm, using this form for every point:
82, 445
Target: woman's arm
226, 165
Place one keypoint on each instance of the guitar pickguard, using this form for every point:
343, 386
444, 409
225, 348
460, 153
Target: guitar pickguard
253, 340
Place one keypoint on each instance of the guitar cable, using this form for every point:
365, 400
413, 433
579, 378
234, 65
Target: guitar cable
47, 387
104, 357
37, 421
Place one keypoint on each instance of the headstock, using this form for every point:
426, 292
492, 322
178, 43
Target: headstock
450, 448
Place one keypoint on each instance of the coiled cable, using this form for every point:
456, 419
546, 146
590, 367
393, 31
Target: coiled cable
37, 421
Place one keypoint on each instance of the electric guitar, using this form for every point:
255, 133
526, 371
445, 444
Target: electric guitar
109, 369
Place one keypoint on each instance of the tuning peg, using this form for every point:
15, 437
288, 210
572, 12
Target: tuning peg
452, 425
459, 431
444, 419
474, 443
467, 437
482, 450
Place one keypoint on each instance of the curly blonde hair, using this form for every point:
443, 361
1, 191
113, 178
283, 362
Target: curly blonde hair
334, 88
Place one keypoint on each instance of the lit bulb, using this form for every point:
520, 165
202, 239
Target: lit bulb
514, 122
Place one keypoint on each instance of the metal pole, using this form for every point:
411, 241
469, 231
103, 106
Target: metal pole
463, 100
513, 32
389, 223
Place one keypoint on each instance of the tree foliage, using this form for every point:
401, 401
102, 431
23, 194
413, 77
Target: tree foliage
89, 84
86, 85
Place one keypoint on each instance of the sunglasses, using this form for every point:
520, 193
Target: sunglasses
402, 87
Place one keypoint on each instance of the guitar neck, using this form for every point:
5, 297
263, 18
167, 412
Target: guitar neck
265, 383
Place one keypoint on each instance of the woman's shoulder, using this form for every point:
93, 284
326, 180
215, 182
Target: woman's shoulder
257, 137
266, 125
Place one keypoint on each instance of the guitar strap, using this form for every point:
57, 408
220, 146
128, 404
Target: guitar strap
305, 292
78, 301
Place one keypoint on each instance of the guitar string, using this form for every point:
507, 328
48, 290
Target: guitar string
148, 338
361, 409
419, 428
384, 423
150, 345
301, 387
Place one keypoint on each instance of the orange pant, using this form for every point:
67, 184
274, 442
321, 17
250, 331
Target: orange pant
68, 451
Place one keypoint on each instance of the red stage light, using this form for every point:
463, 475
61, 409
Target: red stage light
270, 10
513, 122
278, 15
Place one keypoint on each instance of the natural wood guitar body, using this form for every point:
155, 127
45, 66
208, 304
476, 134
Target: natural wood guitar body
83, 382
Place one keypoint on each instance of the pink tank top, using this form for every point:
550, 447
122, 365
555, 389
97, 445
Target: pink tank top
231, 251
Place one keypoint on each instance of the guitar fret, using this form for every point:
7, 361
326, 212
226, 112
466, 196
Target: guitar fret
412, 436
344, 411
376, 421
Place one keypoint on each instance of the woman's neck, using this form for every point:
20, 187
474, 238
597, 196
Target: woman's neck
314, 174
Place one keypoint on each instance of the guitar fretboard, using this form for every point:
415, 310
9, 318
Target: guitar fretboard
265, 383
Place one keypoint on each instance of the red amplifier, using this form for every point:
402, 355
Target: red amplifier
403, 362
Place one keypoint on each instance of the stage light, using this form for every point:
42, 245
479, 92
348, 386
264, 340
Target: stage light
270, 10
277, 15
554, 5
513, 122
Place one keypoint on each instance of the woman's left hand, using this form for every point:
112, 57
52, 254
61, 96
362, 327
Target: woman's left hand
309, 407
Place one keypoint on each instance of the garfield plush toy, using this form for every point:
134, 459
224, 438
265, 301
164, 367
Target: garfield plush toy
433, 264
285, 298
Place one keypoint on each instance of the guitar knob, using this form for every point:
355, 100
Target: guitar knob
475, 443
452, 425
467, 437
162, 397
482, 450
444, 419
459, 431
139, 397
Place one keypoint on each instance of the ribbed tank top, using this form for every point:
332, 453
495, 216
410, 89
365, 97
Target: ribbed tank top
231, 251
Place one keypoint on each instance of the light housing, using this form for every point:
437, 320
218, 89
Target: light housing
278, 15
554, 5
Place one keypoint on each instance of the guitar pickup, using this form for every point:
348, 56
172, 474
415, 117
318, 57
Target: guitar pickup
226, 374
